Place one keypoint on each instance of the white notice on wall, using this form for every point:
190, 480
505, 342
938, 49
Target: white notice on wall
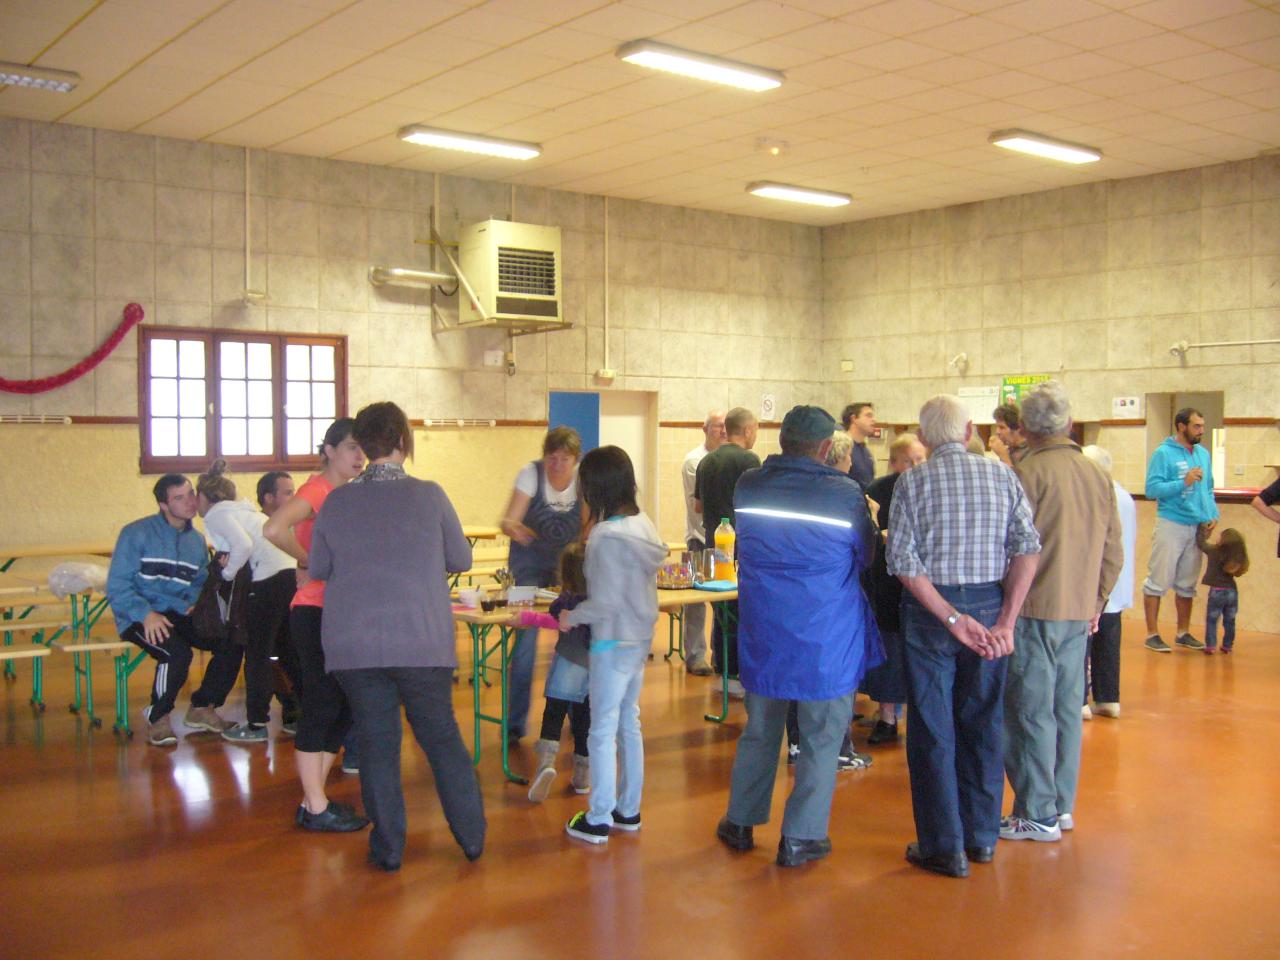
1126, 408
981, 401
768, 407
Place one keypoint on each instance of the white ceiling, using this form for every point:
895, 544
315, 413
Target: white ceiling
889, 101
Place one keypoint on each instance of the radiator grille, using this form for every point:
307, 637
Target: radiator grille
530, 272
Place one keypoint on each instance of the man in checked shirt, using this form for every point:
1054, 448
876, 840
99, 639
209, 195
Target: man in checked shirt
962, 541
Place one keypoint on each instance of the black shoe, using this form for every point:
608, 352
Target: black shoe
980, 854
948, 864
884, 732
630, 824
389, 864
330, 820
792, 853
735, 837
473, 853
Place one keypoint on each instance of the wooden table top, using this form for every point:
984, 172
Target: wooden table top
74, 548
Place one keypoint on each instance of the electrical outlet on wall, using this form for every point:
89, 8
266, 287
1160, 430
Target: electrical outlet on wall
1238, 471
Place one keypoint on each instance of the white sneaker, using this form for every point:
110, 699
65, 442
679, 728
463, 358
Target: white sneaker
1066, 821
1086, 713
1021, 828
736, 690
1107, 710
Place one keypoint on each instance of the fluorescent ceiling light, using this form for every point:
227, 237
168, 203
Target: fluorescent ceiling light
700, 66
38, 78
785, 191
469, 142
1024, 141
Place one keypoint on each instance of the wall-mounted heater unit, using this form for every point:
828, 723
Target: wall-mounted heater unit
510, 274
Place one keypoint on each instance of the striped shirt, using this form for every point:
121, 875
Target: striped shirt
958, 519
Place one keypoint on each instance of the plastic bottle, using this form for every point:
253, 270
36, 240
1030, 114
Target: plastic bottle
726, 548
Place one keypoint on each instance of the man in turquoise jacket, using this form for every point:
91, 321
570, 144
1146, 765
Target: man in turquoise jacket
157, 569
1180, 480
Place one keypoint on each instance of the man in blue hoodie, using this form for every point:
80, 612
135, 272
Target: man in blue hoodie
157, 570
1180, 480
806, 631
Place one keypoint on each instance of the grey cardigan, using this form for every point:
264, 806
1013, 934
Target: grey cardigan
383, 544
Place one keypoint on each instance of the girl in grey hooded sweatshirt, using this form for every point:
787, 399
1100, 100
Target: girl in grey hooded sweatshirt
624, 553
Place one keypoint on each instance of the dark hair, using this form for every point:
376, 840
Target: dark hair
573, 577
167, 483
338, 431
267, 484
1007, 413
852, 412
381, 429
214, 485
737, 420
1183, 417
608, 483
562, 438
1232, 552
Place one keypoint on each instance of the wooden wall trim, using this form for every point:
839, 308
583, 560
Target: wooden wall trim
1248, 421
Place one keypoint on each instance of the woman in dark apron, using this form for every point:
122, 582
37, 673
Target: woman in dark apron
543, 516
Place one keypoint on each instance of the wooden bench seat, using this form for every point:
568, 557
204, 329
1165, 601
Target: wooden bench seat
23, 652
31, 626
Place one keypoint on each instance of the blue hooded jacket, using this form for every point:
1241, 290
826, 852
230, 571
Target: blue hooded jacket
805, 628
155, 568
1175, 500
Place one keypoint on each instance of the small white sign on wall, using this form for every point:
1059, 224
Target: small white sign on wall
981, 401
1126, 408
768, 407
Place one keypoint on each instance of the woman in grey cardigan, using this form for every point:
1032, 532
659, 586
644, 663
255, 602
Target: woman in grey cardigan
384, 544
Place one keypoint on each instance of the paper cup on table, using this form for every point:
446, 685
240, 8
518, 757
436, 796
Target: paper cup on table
469, 598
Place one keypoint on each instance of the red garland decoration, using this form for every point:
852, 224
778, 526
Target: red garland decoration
133, 314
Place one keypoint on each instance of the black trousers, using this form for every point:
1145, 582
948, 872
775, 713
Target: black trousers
268, 636
553, 715
1103, 654
326, 717
173, 662
426, 694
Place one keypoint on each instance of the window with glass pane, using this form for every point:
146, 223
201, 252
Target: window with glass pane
259, 400
311, 392
245, 411
176, 384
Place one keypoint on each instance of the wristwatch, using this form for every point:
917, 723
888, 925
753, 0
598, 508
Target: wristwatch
953, 618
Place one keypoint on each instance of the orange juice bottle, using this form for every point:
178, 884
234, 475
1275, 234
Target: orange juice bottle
726, 547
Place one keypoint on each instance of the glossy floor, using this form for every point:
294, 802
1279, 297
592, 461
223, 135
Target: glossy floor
123, 850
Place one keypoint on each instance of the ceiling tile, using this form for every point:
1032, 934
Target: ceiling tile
893, 55
970, 33
1176, 14
1244, 27
1037, 16
1108, 28
1201, 66
1024, 50
1076, 67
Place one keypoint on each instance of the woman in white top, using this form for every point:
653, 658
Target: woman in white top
235, 529
542, 517
1103, 651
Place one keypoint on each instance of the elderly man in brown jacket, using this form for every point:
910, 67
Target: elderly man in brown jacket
1074, 505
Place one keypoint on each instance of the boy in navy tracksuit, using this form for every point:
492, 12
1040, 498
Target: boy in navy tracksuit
157, 570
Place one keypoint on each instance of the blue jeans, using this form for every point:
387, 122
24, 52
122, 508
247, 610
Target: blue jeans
520, 680
617, 749
955, 742
1223, 603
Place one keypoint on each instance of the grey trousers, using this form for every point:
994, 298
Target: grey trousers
1042, 698
823, 724
695, 623
426, 693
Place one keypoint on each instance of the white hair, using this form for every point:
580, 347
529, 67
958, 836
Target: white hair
943, 419
841, 446
1045, 410
1099, 456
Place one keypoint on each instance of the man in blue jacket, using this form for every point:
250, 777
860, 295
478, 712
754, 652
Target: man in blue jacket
806, 631
1180, 480
157, 570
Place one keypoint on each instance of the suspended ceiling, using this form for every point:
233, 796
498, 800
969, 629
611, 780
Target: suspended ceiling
889, 101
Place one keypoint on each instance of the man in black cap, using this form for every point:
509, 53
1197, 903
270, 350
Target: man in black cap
806, 632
